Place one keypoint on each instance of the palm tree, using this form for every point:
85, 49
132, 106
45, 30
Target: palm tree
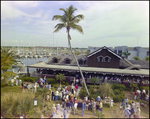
133, 85
126, 54
60, 77
94, 80
43, 92
68, 21
8, 58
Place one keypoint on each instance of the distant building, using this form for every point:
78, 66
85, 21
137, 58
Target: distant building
135, 51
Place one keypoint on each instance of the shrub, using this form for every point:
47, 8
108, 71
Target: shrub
120, 87
83, 93
4, 84
106, 105
16, 104
52, 81
116, 92
117, 98
65, 83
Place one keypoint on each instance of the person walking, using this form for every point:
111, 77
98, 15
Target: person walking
76, 87
86, 105
101, 106
58, 108
127, 114
12, 82
56, 95
68, 105
16, 82
22, 86
53, 95
135, 97
71, 101
35, 88
64, 113
20, 82
53, 110
83, 108
98, 99
75, 107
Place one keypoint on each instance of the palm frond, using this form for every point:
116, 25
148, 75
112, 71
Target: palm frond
56, 17
80, 16
76, 27
59, 27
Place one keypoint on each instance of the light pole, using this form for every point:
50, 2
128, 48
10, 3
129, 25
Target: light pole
35, 104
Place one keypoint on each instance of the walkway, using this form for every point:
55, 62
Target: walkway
62, 109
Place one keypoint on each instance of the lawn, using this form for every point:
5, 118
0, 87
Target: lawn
10, 89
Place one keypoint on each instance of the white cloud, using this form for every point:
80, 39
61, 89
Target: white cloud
105, 23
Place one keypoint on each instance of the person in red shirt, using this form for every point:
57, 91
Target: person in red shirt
76, 87
135, 97
71, 101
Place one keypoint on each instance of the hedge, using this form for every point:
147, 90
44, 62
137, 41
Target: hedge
120, 87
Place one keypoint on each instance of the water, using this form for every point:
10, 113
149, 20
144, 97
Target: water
30, 61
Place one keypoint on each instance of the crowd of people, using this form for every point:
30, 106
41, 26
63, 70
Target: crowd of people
130, 108
70, 101
142, 95
68, 95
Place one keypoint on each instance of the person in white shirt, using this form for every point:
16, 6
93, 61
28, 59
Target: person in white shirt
75, 107
20, 82
12, 82
35, 88
144, 91
106, 79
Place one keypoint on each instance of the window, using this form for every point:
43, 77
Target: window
107, 59
84, 61
80, 61
100, 59
55, 60
147, 53
120, 52
67, 61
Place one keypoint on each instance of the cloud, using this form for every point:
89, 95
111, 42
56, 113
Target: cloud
105, 23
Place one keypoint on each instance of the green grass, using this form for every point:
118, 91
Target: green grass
10, 89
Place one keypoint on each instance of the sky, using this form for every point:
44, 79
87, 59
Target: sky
106, 23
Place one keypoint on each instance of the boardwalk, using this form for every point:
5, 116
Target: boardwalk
61, 109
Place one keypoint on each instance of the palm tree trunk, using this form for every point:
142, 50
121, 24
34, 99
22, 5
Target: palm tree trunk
77, 64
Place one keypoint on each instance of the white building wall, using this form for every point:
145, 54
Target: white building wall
133, 53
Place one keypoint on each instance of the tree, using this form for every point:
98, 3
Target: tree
126, 54
106, 90
60, 77
69, 21
87, 52
136, 58
8, 58
146, 58
94, 80
43, 91
133, 85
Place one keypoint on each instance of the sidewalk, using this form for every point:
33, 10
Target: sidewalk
62, 109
